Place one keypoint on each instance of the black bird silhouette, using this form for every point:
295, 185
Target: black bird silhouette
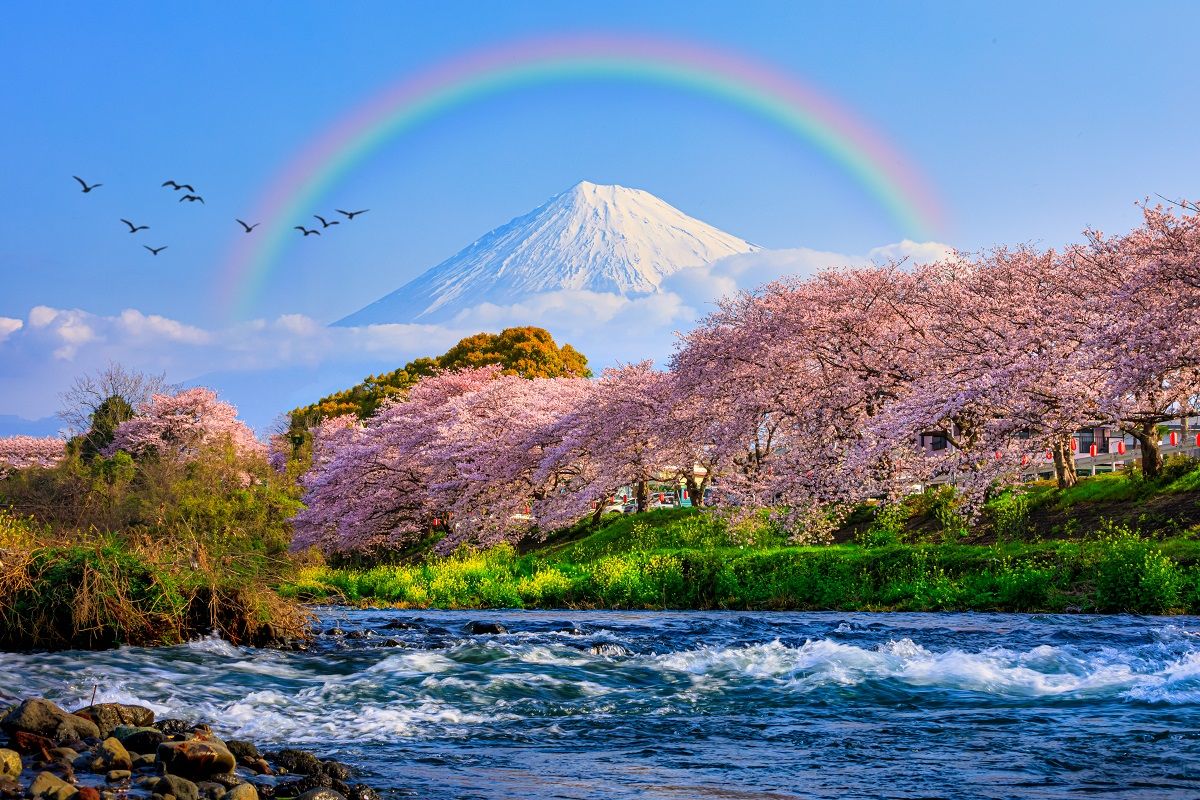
191, 198
325, 224
135, 228
306, 231
178, 186
350, 214
83, 183
154, 250
244, 225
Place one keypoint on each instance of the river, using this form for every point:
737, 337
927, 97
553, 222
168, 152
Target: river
694, 705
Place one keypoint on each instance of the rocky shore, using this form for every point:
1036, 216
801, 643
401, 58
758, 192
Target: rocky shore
110, 751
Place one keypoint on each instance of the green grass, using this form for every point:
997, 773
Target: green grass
689, 559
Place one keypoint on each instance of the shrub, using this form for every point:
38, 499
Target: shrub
1131, 574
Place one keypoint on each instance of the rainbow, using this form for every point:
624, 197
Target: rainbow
780, 99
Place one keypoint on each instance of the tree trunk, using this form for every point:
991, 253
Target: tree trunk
643, 496
599, 511
695, 491
1147, 436
1064, 463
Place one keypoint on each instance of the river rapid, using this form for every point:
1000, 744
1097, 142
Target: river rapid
693, 705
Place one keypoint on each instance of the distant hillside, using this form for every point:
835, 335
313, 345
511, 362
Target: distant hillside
529, 352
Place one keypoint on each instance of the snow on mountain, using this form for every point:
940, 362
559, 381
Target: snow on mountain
590, 237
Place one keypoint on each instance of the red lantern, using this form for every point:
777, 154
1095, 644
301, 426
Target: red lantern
1025, 460
1074, 445
1174, 438
1198, 440
1092, 450
997, 455
436, 522
1121, 447
662, 498
624, 498
1049, 456
685, 494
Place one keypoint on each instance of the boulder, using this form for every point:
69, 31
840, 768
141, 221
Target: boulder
360, 791
10, 789
43, 718
195, 759
87, 793
108, 716
477, 628
51, 787
298, 761
174, 727
243, 791
321, 794
139, 739
142, 761
112, 755
10, 764
244, 752
210, 790
116, 775
180, 788
30, 744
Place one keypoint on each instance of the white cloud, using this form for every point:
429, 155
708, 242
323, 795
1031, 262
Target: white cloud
267, 366
9, 326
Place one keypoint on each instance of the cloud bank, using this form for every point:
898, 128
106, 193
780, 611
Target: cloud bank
269, 366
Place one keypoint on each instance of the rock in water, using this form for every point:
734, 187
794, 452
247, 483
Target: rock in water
43, 718
112, 755
243, 791
87, 793
31, 744
244, 752
140, 740
51, 787
481, 628
108, 716
321, 794
298, 761
181, 788
10, 764
195, 759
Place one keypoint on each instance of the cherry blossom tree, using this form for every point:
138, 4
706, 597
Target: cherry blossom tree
23, 452
182, 424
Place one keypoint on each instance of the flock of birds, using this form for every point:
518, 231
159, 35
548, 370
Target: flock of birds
191, 196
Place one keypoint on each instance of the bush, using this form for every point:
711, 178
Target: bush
1133, 575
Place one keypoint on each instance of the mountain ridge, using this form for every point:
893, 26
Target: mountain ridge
591, 237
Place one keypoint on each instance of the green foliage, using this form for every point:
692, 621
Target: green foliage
1009, 515
887, 526
1131, 574
526, 351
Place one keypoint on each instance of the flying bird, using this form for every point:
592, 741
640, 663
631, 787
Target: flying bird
83, 183
191, 198
306, 231
135, 228
325, 224
247, 227
154, 250
350, 214
178, 186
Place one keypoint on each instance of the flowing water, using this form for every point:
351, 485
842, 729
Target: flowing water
695, 705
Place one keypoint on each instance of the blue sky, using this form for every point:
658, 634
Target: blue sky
1031, 121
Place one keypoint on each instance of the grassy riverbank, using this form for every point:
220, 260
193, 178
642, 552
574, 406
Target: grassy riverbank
919, 556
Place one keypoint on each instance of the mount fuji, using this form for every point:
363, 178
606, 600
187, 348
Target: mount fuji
593, 238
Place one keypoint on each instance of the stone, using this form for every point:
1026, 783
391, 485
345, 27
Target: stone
298, 761
10, 764
140, 740
484, 628
30, 744
87, 793
51, 787
195, 759
335, 770
174, 727
108, 716
10, 789
64, 754
321, 794
211, 790
143, 761
360, 791
261, 767
115, 775
113, 755
43, 718
243, 751
243, 791
179, 788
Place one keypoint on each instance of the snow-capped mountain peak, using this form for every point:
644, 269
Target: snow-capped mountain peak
590, 237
